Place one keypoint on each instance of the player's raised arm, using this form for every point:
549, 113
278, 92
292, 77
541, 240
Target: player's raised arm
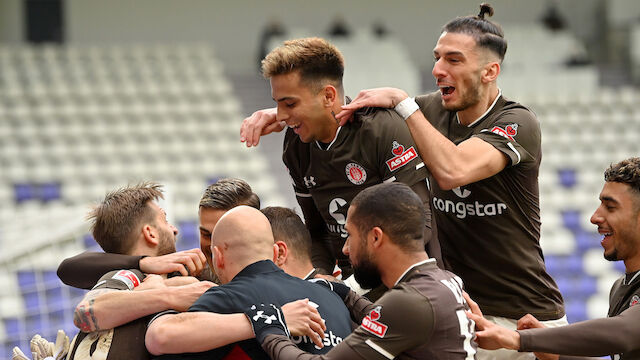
260, 123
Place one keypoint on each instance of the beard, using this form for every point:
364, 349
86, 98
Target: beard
167, 244
367, 275
612, 256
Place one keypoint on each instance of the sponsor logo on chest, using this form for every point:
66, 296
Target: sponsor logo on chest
401, 156
371, 324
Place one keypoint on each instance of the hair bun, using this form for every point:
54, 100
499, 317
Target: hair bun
485, 9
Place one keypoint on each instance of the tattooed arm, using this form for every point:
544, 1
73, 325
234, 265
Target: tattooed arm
111, 304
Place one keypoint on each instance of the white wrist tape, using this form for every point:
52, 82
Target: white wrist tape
407, 107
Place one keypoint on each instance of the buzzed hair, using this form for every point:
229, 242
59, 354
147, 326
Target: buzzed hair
115, 219
317, 60
394, 208
289, 228
228, 193
626, 172
487, 34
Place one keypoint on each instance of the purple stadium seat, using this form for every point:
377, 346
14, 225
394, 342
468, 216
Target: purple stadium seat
567, 177
24, 192
571, 219
26, 280
50, 191
188, 237
587, 239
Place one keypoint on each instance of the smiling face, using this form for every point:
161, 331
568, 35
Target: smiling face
618, 221
458, 70
304, 110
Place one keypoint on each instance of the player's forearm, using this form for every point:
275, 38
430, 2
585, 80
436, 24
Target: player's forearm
116, 308
196, 332
598, 337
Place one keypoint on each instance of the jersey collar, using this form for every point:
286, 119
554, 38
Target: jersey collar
332, 141
486, 112
430, 260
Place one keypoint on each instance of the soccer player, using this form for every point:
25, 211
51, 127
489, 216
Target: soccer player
330, 164
293, 241
483, 153
421, 316
113, 316
618, 220
243, 249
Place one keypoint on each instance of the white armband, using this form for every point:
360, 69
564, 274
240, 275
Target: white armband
407, 107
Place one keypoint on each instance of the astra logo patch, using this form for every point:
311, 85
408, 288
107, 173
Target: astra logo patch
372, 325
510, 131
128, 278
634, 300
401, 156
355, 173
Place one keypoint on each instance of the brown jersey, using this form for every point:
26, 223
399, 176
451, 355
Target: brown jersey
422, 317
375, 148
490, 230
123, 342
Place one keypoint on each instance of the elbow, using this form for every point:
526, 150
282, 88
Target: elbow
157, 339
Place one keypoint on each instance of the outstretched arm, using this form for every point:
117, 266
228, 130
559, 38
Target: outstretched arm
450, 164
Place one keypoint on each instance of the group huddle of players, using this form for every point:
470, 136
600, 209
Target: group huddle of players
415, 200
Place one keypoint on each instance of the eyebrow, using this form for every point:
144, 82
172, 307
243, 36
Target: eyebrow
449, 53
608, 198
283, 98
202, 228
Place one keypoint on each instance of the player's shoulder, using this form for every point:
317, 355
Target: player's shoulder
378, 121
522, 113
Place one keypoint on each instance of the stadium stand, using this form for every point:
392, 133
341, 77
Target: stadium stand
79, 120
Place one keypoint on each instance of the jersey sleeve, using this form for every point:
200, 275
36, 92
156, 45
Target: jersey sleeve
402, 320
396, 155
120, 280
84, 270
598, 337
515, 133
212, 300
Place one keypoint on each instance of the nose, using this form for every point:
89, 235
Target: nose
596, 218
438, 69
282, 115
175, 230
345, 247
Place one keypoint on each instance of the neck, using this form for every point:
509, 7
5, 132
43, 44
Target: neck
472, 113
298, 270
398, 264
332, 123
631, 265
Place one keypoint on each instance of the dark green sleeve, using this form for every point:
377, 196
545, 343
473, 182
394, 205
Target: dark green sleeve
84, 270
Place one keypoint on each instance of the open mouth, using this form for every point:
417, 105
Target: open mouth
447, 90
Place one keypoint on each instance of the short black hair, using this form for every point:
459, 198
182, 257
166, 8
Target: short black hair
394, 208
289, 228
228, 193
626, 172
487, 34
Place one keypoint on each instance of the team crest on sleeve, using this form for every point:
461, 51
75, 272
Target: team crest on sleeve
634, 300
401, 156
128, 278
509, 131
372, 325
355, 173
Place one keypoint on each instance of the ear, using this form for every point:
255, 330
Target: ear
150, 235
281, 251
218, 257
376, 237
330, 94
490, 72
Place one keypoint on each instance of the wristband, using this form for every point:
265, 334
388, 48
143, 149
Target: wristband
407, 107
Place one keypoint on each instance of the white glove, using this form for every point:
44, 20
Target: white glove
41, 349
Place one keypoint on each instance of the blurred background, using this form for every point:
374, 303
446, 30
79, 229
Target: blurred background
97, 94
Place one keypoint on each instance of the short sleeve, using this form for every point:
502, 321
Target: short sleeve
120, 280
386, 332
396, 154
515, 133
213, 300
